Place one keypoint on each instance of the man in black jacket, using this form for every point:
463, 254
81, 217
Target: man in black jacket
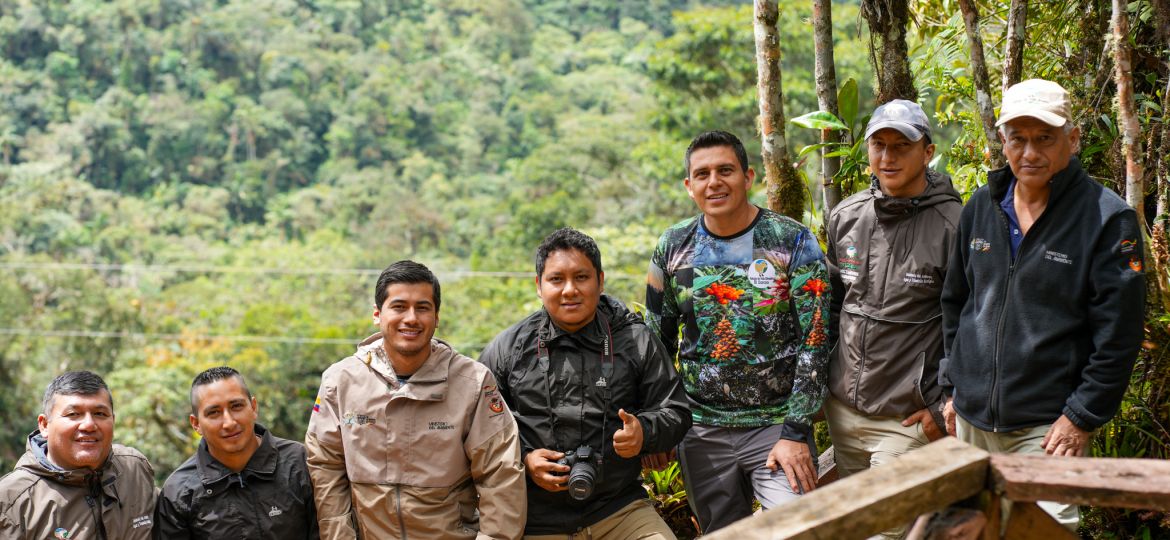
587, 376
242, 482
1042, 303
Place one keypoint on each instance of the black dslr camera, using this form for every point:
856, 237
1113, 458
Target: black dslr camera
584, 463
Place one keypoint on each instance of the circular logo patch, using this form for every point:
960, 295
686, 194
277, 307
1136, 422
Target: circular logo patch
761, 274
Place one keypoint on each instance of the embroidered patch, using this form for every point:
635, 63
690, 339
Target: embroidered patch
851, 252
274, 512
912, 278
1135, 263
1057, 256
980, 245
496, 404
440, 425
1127, 246
351, 419
317, 404
761, 274
143, 521
61, 534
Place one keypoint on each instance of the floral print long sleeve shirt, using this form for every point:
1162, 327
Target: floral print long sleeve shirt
752, 309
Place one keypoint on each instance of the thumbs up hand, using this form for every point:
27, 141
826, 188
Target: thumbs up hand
627, 441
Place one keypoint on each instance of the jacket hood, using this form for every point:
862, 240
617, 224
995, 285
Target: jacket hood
938, 190
36, 461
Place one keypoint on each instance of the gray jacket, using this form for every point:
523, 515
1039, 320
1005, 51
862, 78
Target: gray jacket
887, 260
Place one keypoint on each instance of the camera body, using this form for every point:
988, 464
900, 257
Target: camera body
584, 464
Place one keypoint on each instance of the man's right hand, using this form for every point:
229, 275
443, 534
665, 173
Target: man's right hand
542, 467
949, 416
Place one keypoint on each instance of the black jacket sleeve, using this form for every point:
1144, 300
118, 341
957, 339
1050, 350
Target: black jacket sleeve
170, 518
956, 292
665, 415
1116, 314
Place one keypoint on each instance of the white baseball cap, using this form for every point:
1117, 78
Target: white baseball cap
902, 115
1043, 100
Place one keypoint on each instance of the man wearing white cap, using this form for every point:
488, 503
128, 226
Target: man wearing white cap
888, 248
1042, 305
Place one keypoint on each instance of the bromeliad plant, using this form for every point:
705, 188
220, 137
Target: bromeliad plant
669, 497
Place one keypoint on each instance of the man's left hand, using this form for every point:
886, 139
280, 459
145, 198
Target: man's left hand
627, 441
796, 460
1066, 439
929, 427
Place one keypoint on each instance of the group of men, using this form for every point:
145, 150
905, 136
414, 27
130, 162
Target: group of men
1012, 322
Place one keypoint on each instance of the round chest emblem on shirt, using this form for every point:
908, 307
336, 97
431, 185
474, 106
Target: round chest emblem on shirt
761, 274
495, 404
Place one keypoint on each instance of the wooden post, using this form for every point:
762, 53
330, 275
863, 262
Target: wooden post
874, 500
1028, 521
826, 75
982, 82
785, 190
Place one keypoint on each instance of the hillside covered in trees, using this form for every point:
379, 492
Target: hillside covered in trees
189, 183
193, 183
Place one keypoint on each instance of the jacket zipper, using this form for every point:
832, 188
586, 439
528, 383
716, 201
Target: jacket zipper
398, 509
999, 347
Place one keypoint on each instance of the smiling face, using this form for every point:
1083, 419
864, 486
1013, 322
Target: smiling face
719, 186
408, 318
1037, 151
899, 163
570, 289
79, 430
226, 418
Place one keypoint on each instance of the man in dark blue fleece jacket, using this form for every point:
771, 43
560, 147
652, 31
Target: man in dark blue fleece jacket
1042, 303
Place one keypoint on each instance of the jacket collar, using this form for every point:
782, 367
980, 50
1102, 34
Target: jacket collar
609, 310
429, 383
36, 461
1000, 179
262, 463
938, 190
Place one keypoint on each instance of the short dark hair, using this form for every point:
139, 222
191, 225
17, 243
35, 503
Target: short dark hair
74, 383
212, 375
405, 272
711, 139
565, 239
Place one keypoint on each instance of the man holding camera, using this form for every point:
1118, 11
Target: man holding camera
591, 389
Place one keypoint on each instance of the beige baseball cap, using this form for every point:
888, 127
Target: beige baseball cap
1043, 100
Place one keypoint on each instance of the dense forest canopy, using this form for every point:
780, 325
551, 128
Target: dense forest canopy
191, 183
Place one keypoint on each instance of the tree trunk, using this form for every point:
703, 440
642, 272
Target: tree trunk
982, 82
785, 191
1017, 31
1160, 236
887, 20
1127, 111
826, 74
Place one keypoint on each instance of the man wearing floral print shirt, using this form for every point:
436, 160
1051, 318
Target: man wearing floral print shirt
749, 289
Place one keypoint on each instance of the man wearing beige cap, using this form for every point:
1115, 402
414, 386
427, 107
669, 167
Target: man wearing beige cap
1042, 303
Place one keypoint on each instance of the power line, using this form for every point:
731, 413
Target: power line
296, 340
216, 269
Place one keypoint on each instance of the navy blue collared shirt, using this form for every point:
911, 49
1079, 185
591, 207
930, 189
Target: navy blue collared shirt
1009, 208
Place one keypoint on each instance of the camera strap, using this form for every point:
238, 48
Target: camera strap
603, 383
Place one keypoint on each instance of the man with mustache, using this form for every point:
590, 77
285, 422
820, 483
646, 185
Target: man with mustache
74, 482
409, 438
1042, 304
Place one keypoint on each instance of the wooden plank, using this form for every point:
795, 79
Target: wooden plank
827, 468
992, 508
1109, 482
874, 500
1030, 522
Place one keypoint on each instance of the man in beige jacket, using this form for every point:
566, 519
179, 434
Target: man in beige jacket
410, 439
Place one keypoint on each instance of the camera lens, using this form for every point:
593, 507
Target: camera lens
581, 480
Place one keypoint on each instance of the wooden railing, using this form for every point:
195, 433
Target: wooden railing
948, 471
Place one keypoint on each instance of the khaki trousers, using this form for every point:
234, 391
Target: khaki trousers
1022, 441
635, 521
861, 442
